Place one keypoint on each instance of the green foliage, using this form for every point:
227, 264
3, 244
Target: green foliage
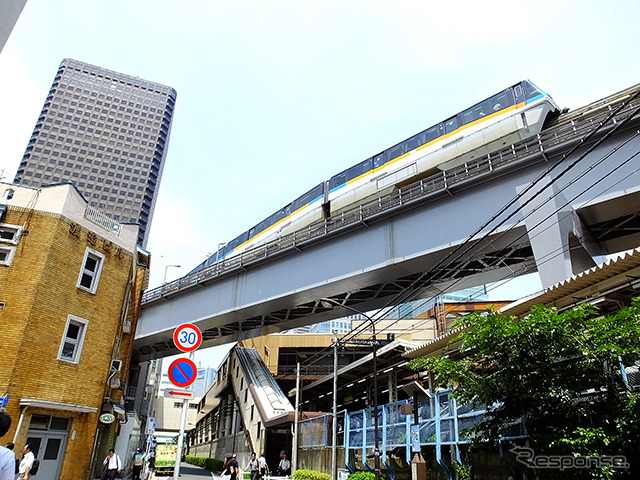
211, 464
366, 476
559, 371
464, 472
303, 474
361, 476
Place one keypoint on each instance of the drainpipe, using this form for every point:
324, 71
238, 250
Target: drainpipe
24, 410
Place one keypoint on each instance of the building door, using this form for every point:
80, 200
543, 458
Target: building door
48, 444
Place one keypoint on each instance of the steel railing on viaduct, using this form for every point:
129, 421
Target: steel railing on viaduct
565, 132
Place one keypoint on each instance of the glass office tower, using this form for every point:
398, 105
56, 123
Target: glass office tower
106, 132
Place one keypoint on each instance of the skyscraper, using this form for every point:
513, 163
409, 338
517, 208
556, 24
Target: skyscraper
106, 132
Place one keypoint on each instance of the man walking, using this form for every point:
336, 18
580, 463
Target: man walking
25, 464
233, 467
113, 464
284, 467
254, 467
264, 469
138, 462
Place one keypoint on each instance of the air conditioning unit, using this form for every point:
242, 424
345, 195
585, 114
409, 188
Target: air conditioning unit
116, 365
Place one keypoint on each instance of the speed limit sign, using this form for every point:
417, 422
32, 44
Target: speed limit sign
187, 337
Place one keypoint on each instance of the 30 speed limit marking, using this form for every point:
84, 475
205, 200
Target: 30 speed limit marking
187, 337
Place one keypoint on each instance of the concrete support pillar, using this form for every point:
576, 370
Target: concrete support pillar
560, 245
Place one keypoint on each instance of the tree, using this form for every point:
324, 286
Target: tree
560, 372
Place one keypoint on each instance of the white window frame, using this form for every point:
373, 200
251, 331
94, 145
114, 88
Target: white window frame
11, 251
79, 342
17, 233
90, 252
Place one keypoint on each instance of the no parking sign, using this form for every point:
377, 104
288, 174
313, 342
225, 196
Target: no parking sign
182, 372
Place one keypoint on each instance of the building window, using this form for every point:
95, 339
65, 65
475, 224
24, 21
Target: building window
6, 255
91, 269
73, 339
258, 430
10, 233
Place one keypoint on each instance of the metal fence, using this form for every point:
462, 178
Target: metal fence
96, 216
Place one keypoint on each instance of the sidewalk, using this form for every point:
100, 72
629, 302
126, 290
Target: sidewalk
187, 472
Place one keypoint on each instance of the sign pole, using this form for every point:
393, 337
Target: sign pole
187, 337
183, 423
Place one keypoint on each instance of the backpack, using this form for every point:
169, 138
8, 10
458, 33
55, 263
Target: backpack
34, 468
138, 459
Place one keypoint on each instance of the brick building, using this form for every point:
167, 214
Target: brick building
70, 286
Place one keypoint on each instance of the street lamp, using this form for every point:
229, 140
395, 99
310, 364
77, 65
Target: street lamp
327, 302
165, 272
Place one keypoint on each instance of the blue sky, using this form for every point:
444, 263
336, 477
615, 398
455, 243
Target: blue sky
276, 96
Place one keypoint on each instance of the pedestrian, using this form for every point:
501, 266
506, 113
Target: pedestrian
25, 464
284, 467
112, 464
233, 468
7, 457
11, 446
254, 467
226, 474
138, 463
264, 469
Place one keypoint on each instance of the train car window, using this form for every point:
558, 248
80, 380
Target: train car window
501, 100
482, 109
359, 169
309, 196
468, 116
337, 180
379, 160
432, 133
414, 142
239, 240
396, 151
450, 125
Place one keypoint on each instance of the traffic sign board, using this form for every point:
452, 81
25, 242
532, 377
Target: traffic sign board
4, 400
175, 393
182, 372
187, 337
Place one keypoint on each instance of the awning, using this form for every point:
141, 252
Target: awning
34, 402
119, 411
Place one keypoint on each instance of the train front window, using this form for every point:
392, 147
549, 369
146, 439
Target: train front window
531, 90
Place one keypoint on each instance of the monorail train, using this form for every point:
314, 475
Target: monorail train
512, 115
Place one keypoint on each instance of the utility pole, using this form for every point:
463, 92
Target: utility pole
294, 450
334, 431
376, 451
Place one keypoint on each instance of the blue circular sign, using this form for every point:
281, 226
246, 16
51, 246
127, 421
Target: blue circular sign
182, 372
